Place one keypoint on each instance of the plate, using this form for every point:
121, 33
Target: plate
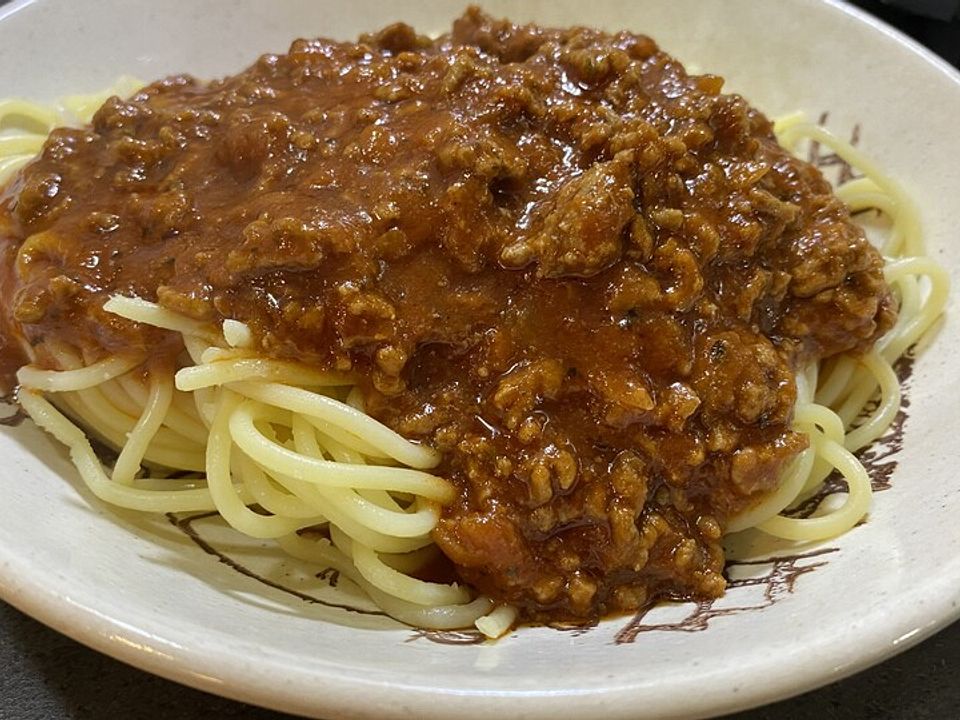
179, 597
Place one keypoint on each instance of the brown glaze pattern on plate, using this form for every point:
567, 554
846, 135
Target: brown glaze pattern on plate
778, 581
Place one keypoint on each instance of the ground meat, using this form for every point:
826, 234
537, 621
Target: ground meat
586, 276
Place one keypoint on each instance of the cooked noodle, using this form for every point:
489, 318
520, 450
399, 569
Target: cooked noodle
284, 448
833, 398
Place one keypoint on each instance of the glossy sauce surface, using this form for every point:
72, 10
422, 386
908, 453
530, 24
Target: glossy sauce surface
584, 275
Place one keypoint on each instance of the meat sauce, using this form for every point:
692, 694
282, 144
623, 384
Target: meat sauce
584, 275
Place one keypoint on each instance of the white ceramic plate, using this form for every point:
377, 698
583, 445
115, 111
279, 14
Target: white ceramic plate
143, 591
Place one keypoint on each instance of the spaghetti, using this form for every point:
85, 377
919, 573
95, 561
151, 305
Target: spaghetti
285, 451
835, 407
263, 432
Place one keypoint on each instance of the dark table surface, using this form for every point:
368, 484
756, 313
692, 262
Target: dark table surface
45, 676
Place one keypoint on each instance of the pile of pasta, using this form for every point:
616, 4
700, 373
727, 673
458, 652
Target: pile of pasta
283, 451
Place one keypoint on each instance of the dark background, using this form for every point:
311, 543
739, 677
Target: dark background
45, 676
